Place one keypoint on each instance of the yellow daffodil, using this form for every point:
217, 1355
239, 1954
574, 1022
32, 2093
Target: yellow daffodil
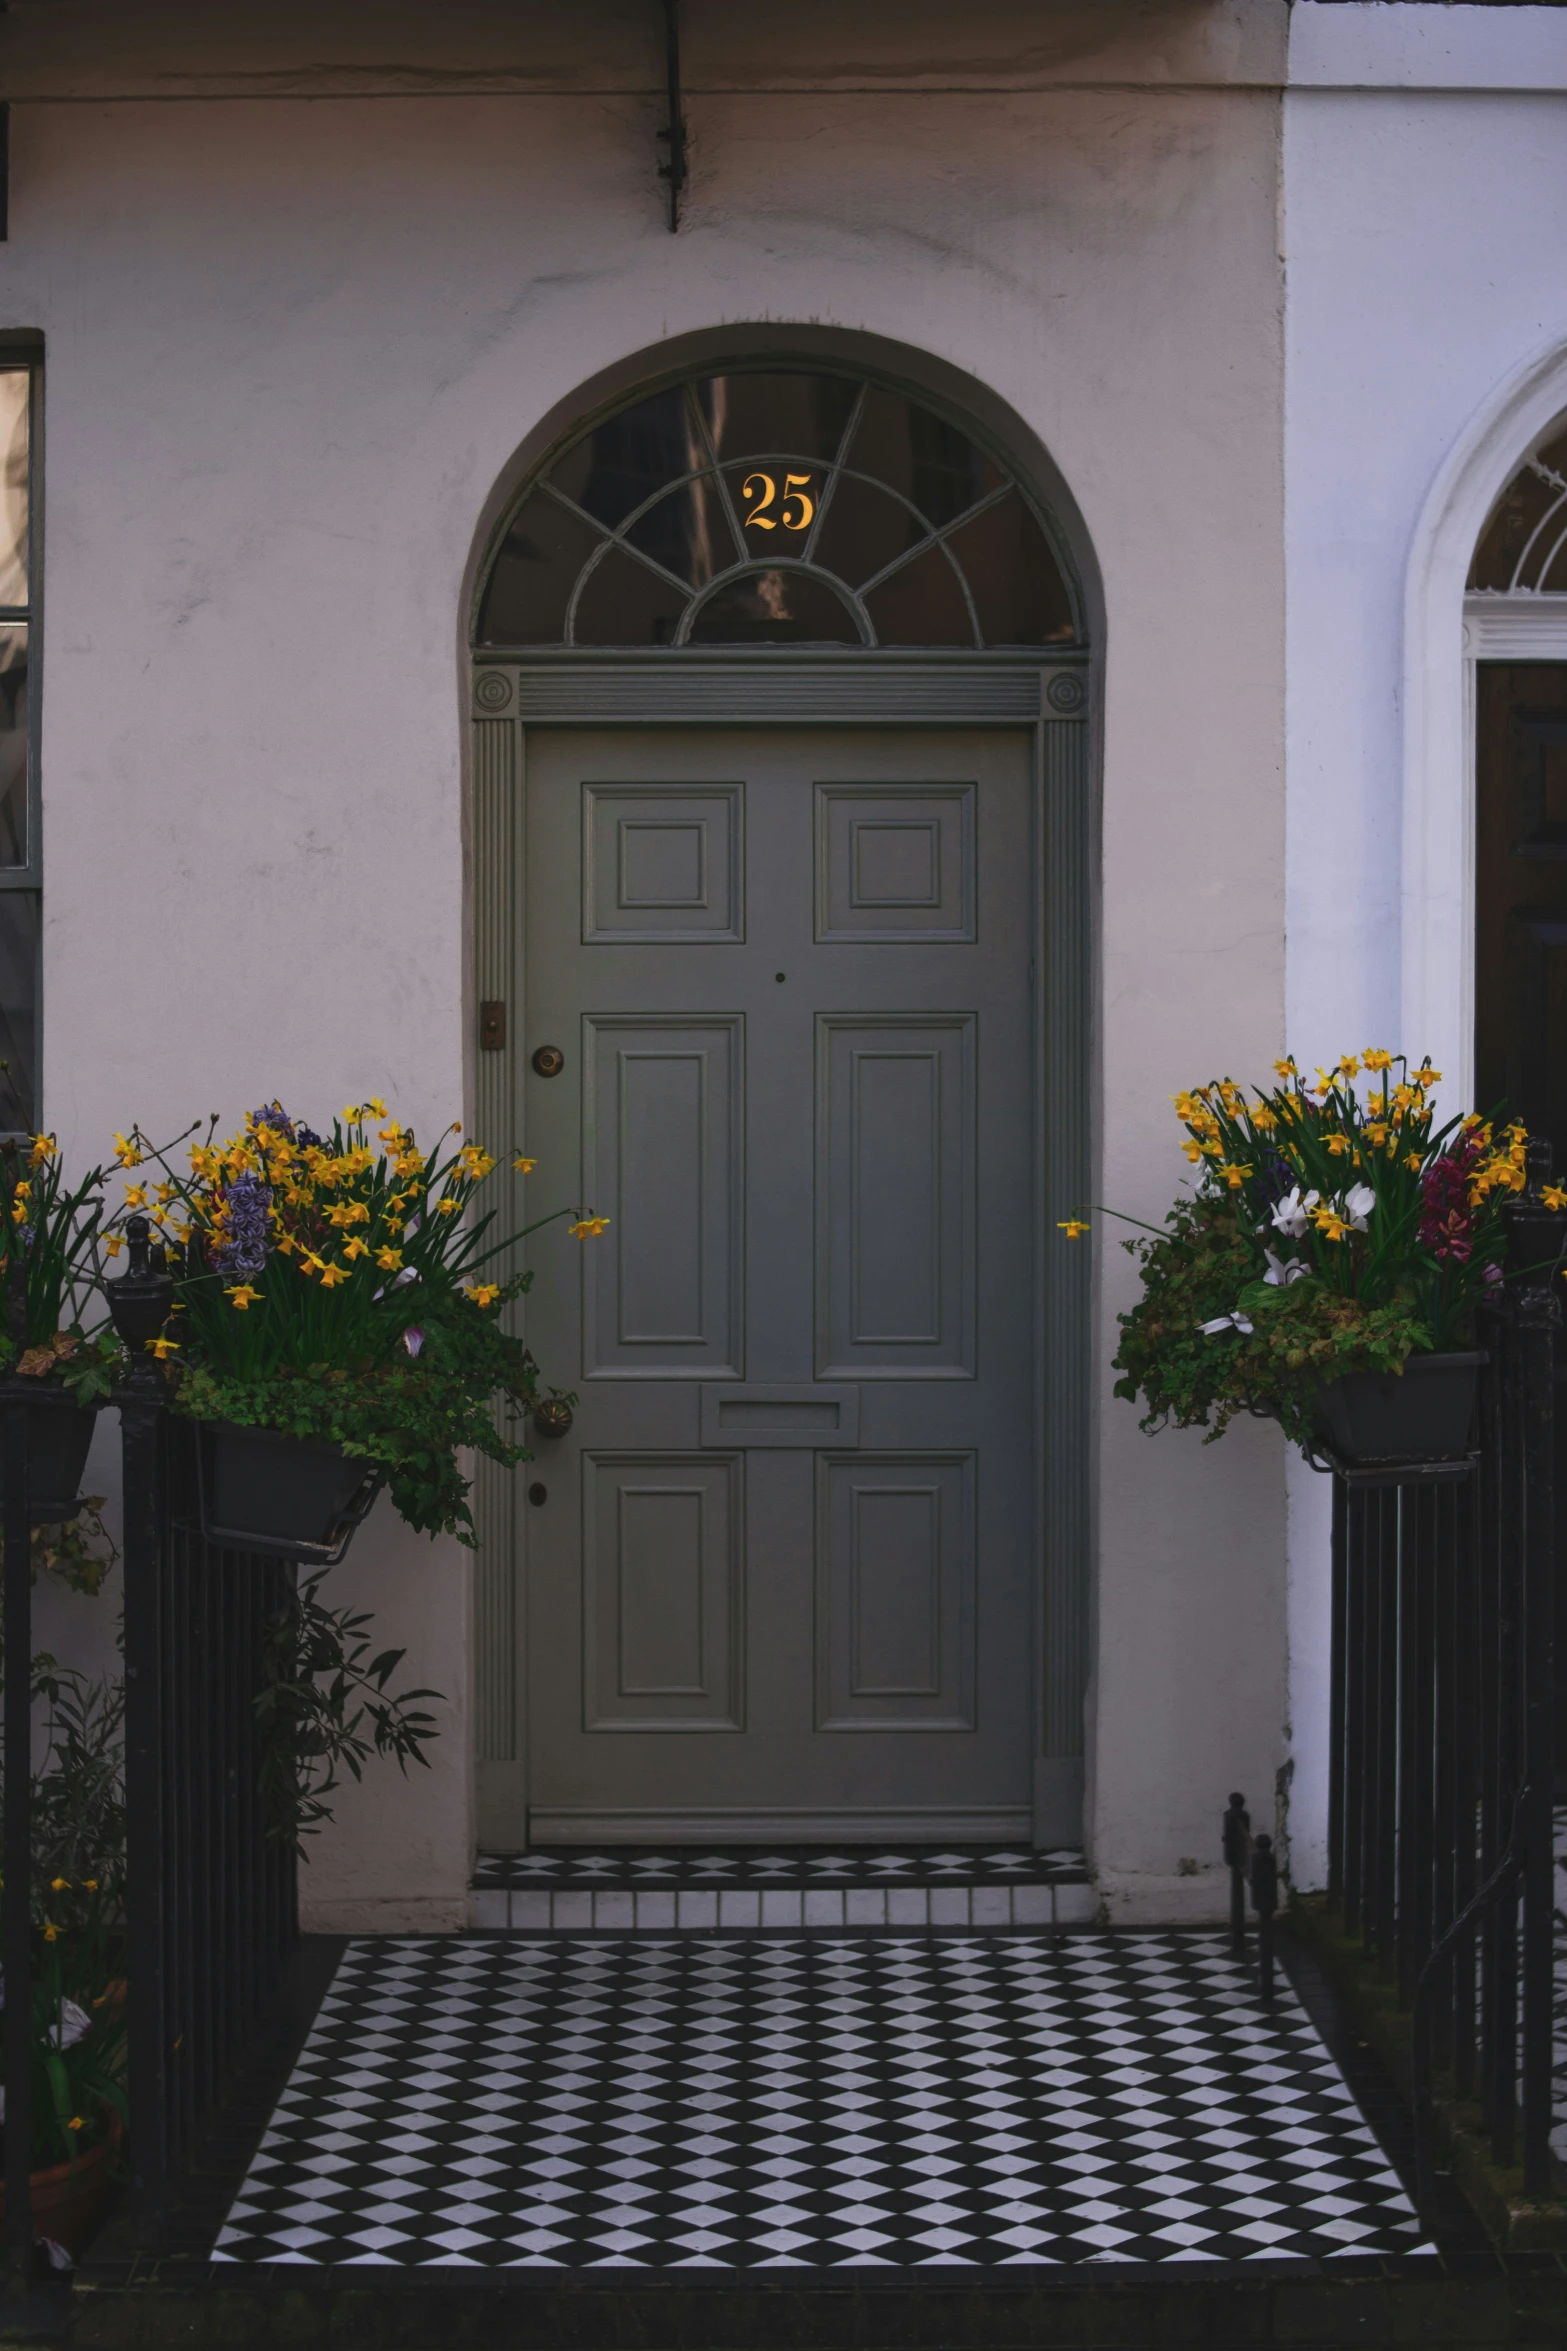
1554, 1196
1262, 1117
354, 1248
389, 1260
332, 1275
1337, 1144
59, 1885
243, 1295
1074, 1227
1286, 1068
1193, 1151
1234, 1176
484, 1293
1350, 1065
114, 1243
135, 1195
128, 1155
91, 1885
447, 1207
375, 1106
590, 1228
312, 1263
76, 2123
51, 1931
163, 1348
352, 1114
44, 1148
1329, 1223
1375, 1058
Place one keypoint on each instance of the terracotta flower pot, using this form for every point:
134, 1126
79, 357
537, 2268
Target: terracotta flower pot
68, 2199
1424, 1413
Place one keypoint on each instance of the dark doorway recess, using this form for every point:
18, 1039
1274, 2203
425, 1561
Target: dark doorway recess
1521, 948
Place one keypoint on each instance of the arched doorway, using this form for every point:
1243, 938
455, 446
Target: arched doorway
781, 832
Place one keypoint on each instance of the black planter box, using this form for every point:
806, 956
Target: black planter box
263, 1490
58, 1439
1425, 1413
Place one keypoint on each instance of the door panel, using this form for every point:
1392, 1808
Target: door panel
895, 1197
662, 1591
663, 1120
782, 1582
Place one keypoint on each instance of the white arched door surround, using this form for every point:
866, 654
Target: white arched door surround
1446, 633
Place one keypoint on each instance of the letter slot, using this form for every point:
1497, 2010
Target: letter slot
743, 1413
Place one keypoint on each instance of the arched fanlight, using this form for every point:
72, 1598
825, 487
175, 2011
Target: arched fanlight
777, 506
1524, 544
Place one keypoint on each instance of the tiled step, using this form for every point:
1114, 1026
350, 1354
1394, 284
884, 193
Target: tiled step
753, 1888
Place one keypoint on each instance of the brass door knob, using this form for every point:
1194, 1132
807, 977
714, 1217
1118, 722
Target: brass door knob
549, 1061
551, 1416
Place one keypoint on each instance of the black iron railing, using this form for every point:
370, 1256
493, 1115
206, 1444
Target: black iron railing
1440, 1794
211, 1910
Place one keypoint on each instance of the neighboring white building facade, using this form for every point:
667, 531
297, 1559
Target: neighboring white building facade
1264, 301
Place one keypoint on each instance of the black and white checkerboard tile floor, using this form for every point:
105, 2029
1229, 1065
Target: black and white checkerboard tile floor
811, 2101
618, 1889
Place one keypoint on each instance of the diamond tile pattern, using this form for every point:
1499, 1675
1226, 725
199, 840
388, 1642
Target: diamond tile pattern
634, 1866
822, 2102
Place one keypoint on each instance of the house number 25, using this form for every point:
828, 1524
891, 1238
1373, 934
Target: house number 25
795, 508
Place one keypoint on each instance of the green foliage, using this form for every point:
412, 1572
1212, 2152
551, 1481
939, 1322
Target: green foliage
334, 1288
324, 1708
412, 1417
77, 1894
1203, 1266
49, 1237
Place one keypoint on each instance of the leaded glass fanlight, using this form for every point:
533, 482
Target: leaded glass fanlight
777, 507
1524, 545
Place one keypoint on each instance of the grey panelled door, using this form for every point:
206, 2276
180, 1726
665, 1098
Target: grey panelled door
781, 1583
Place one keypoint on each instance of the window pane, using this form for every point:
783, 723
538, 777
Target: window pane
865, 529
688, 532
1523, 505
627, 457
535, 572
921, 605
14, 383
754, 415
922, 455
18, 1003
13, 743
623, 603
1013, 577
775, 608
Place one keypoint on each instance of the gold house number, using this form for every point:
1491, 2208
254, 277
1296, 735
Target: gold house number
795, 508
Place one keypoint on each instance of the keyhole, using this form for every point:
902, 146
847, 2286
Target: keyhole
538, 1495
778, 975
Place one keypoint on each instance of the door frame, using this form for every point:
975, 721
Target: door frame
1051, 697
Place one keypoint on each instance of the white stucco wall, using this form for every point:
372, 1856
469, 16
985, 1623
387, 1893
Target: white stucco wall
292, 343
1425, 219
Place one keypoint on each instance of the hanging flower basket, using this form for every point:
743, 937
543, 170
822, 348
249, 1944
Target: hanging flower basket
262, 1490
1424, 1413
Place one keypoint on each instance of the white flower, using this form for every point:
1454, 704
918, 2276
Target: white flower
1358, 1204
1293, 1212
1281, 1274
1225, 1322
74, 2023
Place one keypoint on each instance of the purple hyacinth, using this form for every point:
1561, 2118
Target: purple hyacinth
248, 1201
273, 1115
